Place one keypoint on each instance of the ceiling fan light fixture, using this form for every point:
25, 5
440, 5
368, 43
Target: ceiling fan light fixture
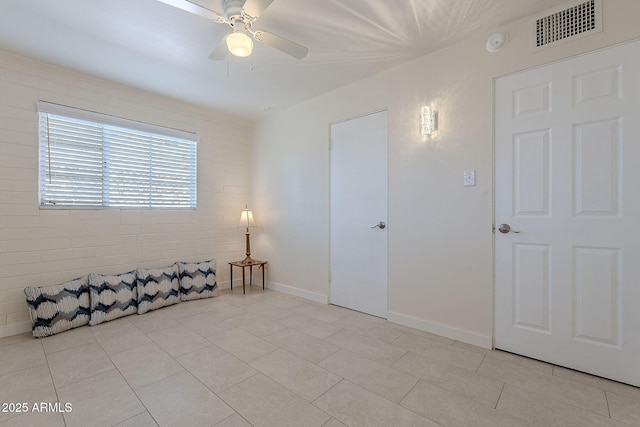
239, 44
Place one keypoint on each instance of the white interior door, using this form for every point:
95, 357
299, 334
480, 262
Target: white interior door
359, 203
567, 152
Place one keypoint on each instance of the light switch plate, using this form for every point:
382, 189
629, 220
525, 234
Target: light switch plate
469, 177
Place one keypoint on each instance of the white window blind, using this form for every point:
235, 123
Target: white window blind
93, 160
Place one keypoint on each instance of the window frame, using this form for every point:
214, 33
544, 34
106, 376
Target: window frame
150, 137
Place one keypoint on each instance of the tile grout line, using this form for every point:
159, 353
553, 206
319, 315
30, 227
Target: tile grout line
234, 412
139, 413
606, 398
247, 379
64, 420
131, 388
500, 396
484, 357
283, 385
400, 336
409, 392
312, 403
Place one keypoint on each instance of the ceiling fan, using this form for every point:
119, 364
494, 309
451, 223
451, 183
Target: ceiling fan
240, 16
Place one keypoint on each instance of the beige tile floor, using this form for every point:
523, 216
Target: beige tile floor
269, 359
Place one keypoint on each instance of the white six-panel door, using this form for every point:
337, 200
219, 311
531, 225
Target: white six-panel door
567, 159
359, 202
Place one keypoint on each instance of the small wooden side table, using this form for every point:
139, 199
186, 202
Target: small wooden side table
242, 265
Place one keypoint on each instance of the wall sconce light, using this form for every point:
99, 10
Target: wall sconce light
427, 120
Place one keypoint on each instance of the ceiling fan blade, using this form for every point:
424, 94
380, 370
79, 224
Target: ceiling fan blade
255, 8
220, 52
282, 44
196, 9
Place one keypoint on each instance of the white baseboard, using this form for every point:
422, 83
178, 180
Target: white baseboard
15, 329
297, 292
442, 330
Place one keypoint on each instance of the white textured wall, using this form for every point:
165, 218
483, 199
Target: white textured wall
440, 239
41, 247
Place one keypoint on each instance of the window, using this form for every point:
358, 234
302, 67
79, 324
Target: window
93, 160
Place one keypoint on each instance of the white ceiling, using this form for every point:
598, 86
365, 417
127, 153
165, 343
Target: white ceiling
156, 47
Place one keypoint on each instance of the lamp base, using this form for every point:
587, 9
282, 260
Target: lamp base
248, 260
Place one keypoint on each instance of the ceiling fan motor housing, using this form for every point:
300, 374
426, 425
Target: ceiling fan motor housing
233, 8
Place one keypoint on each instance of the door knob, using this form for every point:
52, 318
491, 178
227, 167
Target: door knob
506, 228
381, 225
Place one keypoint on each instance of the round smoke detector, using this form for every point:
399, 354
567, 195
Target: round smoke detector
496, 41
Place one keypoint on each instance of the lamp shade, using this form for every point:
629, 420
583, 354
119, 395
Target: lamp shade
246, 219
239, 44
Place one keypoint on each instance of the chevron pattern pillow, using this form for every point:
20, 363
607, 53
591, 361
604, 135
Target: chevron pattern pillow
112, 296
198, 280
58, 308
157, 288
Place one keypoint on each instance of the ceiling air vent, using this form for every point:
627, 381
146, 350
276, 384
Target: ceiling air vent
568, 22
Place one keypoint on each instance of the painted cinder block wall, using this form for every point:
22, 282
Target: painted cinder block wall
49, 246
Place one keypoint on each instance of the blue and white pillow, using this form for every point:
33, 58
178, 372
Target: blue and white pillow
198, 280
157, 288
58, 308
112, 296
